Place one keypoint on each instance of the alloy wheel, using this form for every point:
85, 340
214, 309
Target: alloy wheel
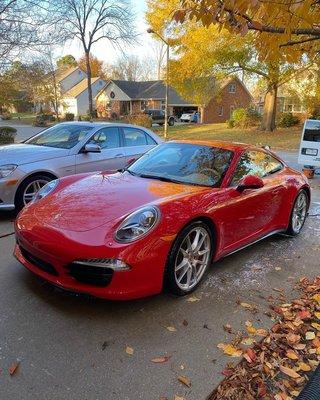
32, 189
299, 212
193, 258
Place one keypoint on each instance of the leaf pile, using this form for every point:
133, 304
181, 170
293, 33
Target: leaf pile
277, 368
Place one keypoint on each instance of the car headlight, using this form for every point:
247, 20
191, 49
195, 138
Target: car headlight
45, 190
7, 169
137, 224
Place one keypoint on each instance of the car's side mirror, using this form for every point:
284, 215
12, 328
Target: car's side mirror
91, 148
250, 182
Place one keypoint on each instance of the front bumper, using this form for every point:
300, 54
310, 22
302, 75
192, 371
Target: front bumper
8, 188
49, 254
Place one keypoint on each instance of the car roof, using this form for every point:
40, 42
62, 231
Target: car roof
232, 146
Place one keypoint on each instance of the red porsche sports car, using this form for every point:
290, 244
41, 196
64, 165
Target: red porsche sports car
162, 221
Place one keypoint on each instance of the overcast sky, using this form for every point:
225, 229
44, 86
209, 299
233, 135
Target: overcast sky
106, 52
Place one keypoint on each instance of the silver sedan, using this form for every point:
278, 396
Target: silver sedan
66, 149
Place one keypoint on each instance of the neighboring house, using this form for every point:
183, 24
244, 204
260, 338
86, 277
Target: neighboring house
73, 91
118, 98
75, 100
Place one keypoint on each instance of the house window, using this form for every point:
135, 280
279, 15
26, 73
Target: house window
163, 105
220, 111
231, 110
143, 105
232, 88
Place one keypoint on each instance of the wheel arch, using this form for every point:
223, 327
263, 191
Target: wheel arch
211, 225
33, 174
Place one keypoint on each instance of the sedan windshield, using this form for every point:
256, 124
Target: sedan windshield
63, 136
184, 163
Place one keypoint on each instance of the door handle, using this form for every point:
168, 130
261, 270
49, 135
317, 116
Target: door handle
119, 155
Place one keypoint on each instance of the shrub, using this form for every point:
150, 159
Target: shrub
315, 114
6, 115
244, 118
285, 120
69, 117
85, 117
7, 134
139, 119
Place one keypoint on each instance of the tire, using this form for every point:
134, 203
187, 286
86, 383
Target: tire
300, 207
188, 262
26, 185
171, 122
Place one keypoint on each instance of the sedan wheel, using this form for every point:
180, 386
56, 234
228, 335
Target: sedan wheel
29, 188
298, 214
32, 189
189, 259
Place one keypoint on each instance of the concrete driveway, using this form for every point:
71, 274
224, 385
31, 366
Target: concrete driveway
73, 348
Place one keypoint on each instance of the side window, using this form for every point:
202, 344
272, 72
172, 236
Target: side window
134, 137
250, 163
272, 165
150, 140
106, 138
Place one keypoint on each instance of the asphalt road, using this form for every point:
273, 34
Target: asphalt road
72, 347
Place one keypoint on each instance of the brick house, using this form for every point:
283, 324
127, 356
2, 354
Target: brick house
119, 98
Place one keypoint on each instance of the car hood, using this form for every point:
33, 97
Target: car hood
27, 153
94, 200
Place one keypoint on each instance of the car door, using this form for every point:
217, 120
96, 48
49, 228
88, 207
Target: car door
136, 142
111, 157
252, 213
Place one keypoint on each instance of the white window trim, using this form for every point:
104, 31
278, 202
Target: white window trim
221, 110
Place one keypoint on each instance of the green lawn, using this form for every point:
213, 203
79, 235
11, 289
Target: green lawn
282, 139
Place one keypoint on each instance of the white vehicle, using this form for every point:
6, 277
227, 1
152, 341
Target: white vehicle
309, 153
188, 117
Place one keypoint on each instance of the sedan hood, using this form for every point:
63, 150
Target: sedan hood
94, 200
20, 154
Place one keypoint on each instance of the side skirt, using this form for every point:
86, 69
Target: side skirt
255, 241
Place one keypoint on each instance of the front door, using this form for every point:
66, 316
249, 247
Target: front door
112, 156
252, 213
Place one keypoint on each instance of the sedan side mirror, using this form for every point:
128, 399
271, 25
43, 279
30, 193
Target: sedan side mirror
250, 182
92, 148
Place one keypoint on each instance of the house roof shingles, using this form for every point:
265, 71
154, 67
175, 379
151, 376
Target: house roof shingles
149, 90
79, 88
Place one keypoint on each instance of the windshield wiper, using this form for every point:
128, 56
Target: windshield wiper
160, 178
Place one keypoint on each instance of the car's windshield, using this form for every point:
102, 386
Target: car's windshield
184, 163
64, 136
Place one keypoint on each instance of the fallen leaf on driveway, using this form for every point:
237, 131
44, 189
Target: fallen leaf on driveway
171, 328
316, 326
159, 360
230, 350
178, 398
247, 305
227, 328
247, 341
185, 322
192, 299
310, 335
292, 355
316, 297
317, 314
290, 372
278, 268
13, 368
304, 367
185, 380
129, 350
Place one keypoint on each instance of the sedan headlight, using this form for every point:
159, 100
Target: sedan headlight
45, 190
137, 224
7, 169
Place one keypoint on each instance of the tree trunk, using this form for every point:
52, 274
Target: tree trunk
87, 54
270, 108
